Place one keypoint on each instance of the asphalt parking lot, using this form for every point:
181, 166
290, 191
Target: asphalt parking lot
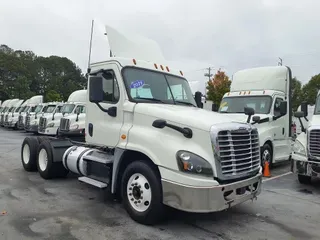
32, 208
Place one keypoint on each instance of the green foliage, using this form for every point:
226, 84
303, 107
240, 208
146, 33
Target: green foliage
24, 74
218, 86
296, 93
310, 90
52, 96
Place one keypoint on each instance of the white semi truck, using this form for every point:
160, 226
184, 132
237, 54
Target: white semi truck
11, 106
49, 124
73, 125
153, 148
268, 91
33, 102
5, 107
306, 149
11, 119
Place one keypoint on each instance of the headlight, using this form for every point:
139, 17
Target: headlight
192, 163
50, 125
298, 148
74, 127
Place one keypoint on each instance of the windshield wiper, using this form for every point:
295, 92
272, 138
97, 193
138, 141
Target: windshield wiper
151, 99
186, 103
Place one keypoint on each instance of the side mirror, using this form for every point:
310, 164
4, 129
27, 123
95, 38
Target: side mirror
215, 107
255, 119
283, 108
304, 108
95, 89
197, 98
249, 112
299, 114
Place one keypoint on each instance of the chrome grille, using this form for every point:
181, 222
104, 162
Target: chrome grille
2, 119
314, 143
27, 122
42, 124
238, 152
64, 124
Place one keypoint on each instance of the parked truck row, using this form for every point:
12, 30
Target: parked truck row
150, 143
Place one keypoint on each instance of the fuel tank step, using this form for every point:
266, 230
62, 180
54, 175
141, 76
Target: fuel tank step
93, 182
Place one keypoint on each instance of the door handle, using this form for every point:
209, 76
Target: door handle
282, 131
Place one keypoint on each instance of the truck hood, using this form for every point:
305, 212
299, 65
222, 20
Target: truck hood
241, 117
185, 115
315, 120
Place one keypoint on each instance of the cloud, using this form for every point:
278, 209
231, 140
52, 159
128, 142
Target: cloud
194, 35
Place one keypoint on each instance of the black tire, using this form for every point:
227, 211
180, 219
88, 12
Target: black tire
304, 179
266, 148
52, 169
156, 210
15, 126
42, 139
29, 164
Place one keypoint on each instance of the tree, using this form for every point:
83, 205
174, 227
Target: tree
23, 74
296, 93
52, 96
310, 90
218, 86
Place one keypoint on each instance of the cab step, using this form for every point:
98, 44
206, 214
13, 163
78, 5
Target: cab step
93, 182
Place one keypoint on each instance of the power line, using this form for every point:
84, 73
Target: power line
209, 74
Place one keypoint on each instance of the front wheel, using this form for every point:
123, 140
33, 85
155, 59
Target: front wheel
266, 154
142, 193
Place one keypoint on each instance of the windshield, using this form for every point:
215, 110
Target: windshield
5, 109
157, 87
38, 109
81, 109
317, 106
17, 109
260, 104
67, 108
50, 109
26, 109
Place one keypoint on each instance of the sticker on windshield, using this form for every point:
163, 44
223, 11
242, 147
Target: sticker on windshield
137, 84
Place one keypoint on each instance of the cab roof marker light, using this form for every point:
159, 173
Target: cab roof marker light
239, 93
162, 67
181, 73
134, 61
156, 66
167, 68
264, 92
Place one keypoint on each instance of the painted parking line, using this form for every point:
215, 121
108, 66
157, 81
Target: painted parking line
275, 177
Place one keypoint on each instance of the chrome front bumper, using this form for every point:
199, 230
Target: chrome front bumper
210, 199
302, 166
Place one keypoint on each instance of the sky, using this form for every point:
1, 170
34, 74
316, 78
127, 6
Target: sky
193, 35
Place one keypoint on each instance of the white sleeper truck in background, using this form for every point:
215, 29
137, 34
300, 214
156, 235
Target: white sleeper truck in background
268, 91
306, 149
149, 146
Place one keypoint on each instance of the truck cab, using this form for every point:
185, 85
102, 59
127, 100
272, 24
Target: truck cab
11, 119
73, 125
32, 118
149, 145
50, 123
268, 91
31, 105
4, 109
11, 106
306, 149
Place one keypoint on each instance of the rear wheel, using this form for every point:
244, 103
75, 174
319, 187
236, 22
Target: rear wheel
29, 150
46, 167
142, 193
304, 179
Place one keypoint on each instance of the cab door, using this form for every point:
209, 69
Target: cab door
102, 128
281, 139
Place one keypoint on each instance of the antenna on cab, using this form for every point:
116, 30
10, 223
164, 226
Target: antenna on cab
90, 48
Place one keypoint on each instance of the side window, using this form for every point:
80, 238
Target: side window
276, 108
110, 87
58, 109
80, 109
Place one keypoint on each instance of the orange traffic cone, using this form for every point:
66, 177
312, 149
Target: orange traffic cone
266, 170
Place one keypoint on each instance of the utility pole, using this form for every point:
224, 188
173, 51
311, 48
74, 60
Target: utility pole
209, 75
280, 62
